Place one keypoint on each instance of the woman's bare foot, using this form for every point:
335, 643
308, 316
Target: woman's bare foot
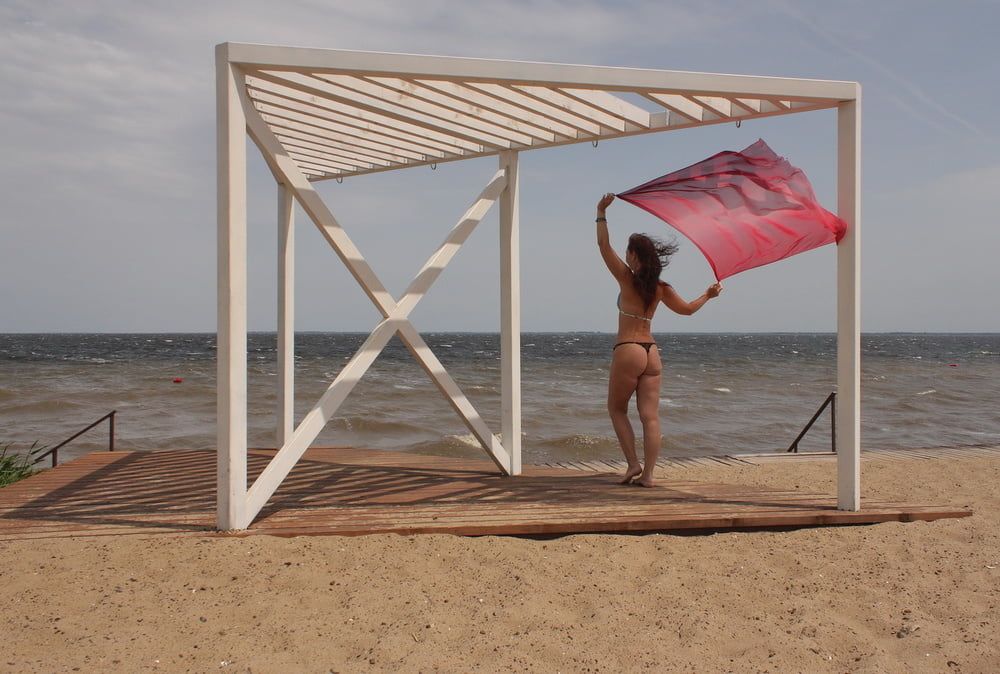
631, 474
644, 481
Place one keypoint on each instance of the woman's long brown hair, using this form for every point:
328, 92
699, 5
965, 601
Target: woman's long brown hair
653, 256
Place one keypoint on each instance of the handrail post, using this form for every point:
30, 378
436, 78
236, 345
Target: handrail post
833, 422
111, 431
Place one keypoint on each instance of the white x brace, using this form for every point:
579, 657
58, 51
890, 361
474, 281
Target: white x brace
395, 317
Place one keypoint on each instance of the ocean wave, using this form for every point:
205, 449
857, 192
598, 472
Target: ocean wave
577, 441
723, 389
927, 392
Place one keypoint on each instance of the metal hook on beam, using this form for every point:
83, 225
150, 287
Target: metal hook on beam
738, 122
434, 166
594, 143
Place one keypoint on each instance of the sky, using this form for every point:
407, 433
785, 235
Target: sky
107, 165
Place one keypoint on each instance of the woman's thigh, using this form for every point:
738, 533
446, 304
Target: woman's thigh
648, 385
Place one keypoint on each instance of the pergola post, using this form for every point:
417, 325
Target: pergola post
231, 349
848, 305
286, 315
510, 314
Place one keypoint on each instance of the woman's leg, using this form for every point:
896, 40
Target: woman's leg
648, 402
628, 361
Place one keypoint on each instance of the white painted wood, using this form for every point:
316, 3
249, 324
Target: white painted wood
231, 339
510, 314
437, 262
481, 99
316, 134
466, 110
319, 150
314, 421
324, 165
564, 102
453, 394
341, 158
682, 105
395, 316
286, 171
848, 306
543, 74
535, 106
265, 81
474, 124
344, 119
286, 315
334, 136
613, 105
750, 105
376, 105
723, 107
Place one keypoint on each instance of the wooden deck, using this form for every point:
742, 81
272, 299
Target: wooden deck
343, 491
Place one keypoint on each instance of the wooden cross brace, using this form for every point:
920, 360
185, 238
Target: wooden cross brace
395, 315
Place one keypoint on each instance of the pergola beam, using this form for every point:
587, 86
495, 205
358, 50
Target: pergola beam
528, 73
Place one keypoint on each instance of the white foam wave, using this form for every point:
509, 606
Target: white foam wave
723, 389
465, 439
928, 391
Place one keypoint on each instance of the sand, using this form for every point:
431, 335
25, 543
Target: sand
916, 597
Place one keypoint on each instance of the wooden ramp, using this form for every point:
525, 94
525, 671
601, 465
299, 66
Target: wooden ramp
343, 491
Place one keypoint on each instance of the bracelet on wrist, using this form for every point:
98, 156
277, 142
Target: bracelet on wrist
600, 218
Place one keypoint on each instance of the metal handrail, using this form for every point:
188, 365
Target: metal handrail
831, 400
111, 439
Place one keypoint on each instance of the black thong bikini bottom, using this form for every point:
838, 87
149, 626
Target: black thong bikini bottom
645, 345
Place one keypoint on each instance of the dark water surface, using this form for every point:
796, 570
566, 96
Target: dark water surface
721, 392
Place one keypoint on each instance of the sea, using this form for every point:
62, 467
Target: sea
721, 393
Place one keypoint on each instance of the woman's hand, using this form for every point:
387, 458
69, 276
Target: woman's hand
605, 201
714, 290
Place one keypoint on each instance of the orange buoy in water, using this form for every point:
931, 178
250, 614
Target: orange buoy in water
178, 380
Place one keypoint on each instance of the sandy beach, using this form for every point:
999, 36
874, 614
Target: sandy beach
884, 598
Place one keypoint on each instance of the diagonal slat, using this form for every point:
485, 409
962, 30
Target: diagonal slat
341, 118
369, 140
306, 132
612, 104
535, 106
261, 79
294, 130
512, 122
682, 106
577, 107
479, 98
395, 111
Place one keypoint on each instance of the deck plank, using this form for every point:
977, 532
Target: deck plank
347, 491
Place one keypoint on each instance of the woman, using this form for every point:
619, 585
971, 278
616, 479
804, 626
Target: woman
635, 360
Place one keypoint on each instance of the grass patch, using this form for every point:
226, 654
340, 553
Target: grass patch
14, 467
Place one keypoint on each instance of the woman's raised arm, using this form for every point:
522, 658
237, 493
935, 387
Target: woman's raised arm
614, 263
677, 304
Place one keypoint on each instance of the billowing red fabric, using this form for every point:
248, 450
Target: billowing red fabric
741, 209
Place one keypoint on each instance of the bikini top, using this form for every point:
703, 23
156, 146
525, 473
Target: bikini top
625, 313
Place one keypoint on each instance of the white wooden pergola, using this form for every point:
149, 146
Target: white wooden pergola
317, 114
